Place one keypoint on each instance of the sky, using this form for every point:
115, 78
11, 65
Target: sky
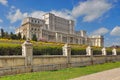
97, 17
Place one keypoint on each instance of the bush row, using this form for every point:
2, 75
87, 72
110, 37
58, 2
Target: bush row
16, 49
78, 51
118, 51
47, 50
10, 50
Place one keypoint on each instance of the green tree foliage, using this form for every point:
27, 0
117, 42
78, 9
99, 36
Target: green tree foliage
2, 33
13, 36
19, 35
24, 38
6, 35
34, 38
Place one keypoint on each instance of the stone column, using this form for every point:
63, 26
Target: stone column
67, 52
114, 52
89, 51
61, 38
104, 51
27, 52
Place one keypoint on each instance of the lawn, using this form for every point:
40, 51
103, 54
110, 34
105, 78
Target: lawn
63, 74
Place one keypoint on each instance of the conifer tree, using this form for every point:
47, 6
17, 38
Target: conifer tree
34, 38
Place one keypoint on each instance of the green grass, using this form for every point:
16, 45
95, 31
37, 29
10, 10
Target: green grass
63, 74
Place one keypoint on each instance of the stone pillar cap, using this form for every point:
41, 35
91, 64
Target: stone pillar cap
103, 48
66, 45
27, 42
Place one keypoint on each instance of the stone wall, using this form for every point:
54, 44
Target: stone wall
47, 60
29, 63
11, 61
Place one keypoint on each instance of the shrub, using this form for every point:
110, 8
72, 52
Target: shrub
34, 38
78, 51
118, 51
47, 50
109, 51
97, 51
10, 49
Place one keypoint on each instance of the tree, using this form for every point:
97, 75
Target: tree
6, 35
24, 38
13, 36
2, 33
34, 38
19, 35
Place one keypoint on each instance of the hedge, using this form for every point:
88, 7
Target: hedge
97, 51
78, 51
118, 51
10, 49
109, 51
47, 50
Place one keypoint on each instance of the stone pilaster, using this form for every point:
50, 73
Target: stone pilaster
89, 51
27, 52
114, 52
104, 52
67, 52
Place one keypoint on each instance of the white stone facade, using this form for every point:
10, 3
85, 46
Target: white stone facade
56, 29
96, 40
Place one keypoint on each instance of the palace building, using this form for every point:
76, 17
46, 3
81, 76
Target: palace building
53, 28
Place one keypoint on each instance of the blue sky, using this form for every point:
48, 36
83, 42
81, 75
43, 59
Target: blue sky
97, 17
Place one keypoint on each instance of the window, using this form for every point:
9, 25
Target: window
64, 39
35, 21
76, 40
31, 20
71, 39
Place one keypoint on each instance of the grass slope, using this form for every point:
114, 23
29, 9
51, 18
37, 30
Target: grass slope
63, 74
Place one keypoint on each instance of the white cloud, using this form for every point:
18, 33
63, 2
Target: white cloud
16, 15
91, 9
37, 14
1, 20
12, 7
64, 13
4, 2
8, 28
110, 41
115, 31
100, 31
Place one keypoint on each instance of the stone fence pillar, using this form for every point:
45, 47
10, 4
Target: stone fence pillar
27, 52
67, 52
104, 51
89, 51
114, 52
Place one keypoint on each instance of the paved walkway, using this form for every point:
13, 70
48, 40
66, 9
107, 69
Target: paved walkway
113, 74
